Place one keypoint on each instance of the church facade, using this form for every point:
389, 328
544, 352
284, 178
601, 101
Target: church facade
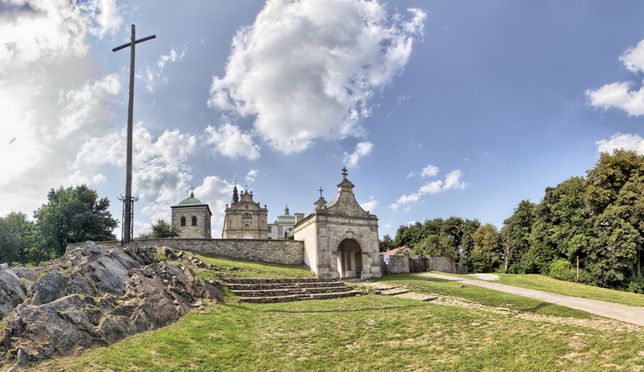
245, 219
192, 218
340, 238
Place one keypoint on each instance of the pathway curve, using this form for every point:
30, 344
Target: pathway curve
625, 313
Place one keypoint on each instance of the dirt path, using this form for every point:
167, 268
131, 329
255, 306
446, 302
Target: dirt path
625, 313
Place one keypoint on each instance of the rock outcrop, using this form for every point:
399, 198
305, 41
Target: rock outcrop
14, 285
98, 295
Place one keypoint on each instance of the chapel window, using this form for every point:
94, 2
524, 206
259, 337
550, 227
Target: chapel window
194, 220
183, 221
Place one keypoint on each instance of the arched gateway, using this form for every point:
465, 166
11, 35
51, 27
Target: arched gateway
340, 238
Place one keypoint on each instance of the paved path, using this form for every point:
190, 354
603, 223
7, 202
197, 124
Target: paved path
625, 313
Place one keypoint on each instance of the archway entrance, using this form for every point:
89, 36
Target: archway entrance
349, 259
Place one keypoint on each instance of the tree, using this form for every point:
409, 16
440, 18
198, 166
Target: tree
560, 228
436, 245
615, 196
515, 236
73, 215
17, 238
466, 244
162, 229
485, 252
386, 244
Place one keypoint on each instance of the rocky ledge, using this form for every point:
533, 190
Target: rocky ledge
96, 296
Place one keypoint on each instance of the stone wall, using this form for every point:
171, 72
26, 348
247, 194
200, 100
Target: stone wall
445, 264
289, 252
398, 264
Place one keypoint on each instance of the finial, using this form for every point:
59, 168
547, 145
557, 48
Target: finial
320, 190
192, 189
286, 210
344, 172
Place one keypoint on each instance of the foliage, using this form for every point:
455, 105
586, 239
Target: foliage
162, 230
635, 284
450, 237
598, 219
615, 196
72, 215
436, 245
386, 244
485, 253
515, 235
562, 269
17, 239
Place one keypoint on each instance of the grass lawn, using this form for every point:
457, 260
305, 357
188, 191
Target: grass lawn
548, 284
250, 269
483, 296
362, 333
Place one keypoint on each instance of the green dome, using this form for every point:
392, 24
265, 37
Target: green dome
191, 200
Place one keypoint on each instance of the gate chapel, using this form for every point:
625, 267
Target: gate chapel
340, 238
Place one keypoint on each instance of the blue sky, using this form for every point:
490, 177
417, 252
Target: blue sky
496, 100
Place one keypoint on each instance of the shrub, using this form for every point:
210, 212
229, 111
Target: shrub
635, 284
562, 269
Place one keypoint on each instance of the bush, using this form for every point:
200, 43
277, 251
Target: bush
563, 270
635, 284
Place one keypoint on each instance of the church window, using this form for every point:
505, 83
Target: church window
194, 220
183, 221
247, 226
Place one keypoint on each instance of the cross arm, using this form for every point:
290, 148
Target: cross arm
135, 42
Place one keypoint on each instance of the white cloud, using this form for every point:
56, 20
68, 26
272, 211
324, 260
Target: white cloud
621, 95
631, 142
104, 15
432, 187
369, 205
217, 193
453, 180
322, 56
429, 171
154, 76
411, 174
618, 95
51, 95
251, 176
230, 141
82, 107
633, 58
362, 149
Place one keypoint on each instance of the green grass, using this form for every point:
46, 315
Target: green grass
251, 269
480, 295
548, 284
362, 333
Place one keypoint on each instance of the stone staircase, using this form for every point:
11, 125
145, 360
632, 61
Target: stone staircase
284, 290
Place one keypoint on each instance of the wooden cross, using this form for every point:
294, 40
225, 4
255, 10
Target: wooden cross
127, 230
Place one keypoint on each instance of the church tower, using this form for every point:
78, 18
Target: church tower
192, 218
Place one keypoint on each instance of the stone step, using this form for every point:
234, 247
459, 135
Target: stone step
231, 280
392, 291
241, 287
290, 291
318, 296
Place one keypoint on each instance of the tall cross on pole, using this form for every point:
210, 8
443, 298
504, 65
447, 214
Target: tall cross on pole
127, 230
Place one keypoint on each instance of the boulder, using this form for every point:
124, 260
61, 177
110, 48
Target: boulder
97, 295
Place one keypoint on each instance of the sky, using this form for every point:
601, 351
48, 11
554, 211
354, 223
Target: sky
437, 108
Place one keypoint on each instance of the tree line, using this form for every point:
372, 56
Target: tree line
595, 222
70, 215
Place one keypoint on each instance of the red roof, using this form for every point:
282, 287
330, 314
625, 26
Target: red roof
391, 251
